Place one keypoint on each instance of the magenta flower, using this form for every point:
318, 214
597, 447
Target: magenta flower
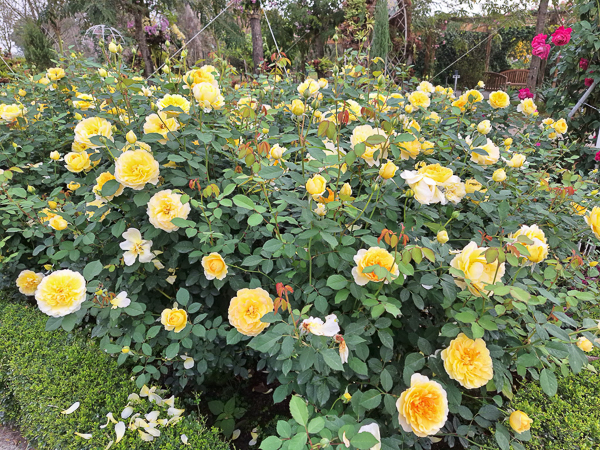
539, 39
541, 50
588, 82
537, 144
525, 93
583, 64
597, 157
561, 36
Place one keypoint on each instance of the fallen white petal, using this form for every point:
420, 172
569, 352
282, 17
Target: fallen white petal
184, 439
71, 409
83, 435
128, 411
120, 430
236, 434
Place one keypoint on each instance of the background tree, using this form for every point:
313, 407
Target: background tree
536, 61
382, 43
37, 48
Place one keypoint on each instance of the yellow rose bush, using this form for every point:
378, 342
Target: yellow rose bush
187, 218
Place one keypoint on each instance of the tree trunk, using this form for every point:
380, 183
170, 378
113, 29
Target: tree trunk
257, 41
488, 52
534, 68
140, 37
409, 34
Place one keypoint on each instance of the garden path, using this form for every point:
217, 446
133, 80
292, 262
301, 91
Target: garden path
12, 440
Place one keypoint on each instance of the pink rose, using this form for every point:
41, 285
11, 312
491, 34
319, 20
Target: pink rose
583, 64
539, 39
561, 36
588, 82
537, 144
597, 157
525, 93
541, 50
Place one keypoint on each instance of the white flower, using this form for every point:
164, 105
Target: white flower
316, 326
320, 210
372, 428
188, 361
184, 439
425, 189
71, 408
135, 246
120, 301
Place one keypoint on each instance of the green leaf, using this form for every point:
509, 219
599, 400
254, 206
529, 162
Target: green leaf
386, 380
466, 316
243, 202
284, 429
548, 382
92, 269
316, 425
502, 436
359, 366
364, 441
271, 443
299, 410
53, 323
371, 399
332, 359
255, 219
183, 296
268, 173
337, 282
152, 332
172, 350
110, 188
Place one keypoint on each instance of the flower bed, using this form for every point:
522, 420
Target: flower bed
395, 259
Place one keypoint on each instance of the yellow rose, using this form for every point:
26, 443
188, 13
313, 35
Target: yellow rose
28, 281
73, 186
98, 203
484, 127
593, 263
527, 107
58, 223
491, 156
247, 308
323, 83
102, 72
131, 137
388, 170
55, 73
409, 108
508, 142
135, 168
442, 236
516, 161
206, 94
174, 319
580, 210
460, 102
160, 123
520, 422
419, 99
346, 190
454, 190
316, 185
360, 134
473, 96
61, 293
375, 256
297, 107
84, 102
308, 87
409, 149
436, 172
176, 101
471, 261
427, 148
77, 162
22, 92
560, 126
499, 175
408, 124
214, 266
165, 206
539, 249
585, 344
276, 152
205, 74
112, 47
52, 204
473, 185
11, 112
101, 180
93, 126
499, 99
468, 361
54, 156
422, 408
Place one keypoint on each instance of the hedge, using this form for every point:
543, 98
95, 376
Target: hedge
568, 420
43, 373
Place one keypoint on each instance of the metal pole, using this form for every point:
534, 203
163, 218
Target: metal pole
582, 99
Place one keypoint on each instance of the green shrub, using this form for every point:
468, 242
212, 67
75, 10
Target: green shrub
43, 373
570, 419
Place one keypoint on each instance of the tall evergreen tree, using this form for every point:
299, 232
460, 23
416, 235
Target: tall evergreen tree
382, 44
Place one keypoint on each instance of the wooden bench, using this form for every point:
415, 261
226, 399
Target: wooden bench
516, 78
494, 81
